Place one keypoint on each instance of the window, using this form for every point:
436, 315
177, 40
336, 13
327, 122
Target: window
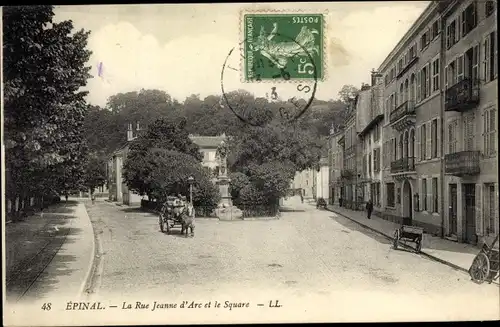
435, 75
425, 82
398, 195
376, 133
370, 164
460, 68
423, 142
435, 195
490, 57
435, 29
390, 194
424, 41
452, 137
489, 7
412, 53
469, 132
400, 65
450, 34
424, 194
475, 63
489, 132
419, 88
394, 149
491, 213
376, 160
469, 19
434, 145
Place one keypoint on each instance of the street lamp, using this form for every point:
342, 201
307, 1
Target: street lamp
191, 181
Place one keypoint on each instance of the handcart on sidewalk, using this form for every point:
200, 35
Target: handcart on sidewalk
408, 233
485, 266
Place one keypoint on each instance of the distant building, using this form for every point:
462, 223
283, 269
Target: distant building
321, 180
304, 180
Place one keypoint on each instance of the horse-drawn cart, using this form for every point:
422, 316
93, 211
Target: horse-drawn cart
409, 233
485, 266
171, 214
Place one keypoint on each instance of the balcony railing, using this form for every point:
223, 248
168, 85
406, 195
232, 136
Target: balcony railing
403, 165
462, 96
347, 173
462, 163
406, 108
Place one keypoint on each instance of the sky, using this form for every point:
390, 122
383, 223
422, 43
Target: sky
181, 48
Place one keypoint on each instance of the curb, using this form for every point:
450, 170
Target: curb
88, 274
430, 256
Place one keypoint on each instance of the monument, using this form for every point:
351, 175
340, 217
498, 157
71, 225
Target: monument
225, 210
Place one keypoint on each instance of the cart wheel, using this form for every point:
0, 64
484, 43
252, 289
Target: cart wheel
167, 223
396, 238
480, 268
419, 245
161, 222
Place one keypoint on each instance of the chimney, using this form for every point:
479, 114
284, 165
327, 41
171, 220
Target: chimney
375, 76
130, 133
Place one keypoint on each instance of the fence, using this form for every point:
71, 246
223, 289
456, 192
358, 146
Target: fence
239, 212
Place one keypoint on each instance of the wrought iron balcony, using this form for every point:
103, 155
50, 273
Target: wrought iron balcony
402, 165
407, 108
462, 163
462, 96
347, 173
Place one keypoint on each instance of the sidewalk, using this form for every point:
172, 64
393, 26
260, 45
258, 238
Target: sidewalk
49, 255
456, 255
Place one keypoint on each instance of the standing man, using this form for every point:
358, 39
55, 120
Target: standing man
369, 208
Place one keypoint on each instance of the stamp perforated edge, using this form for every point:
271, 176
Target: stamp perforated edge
241, 44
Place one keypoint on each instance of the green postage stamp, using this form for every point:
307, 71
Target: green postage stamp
283, 46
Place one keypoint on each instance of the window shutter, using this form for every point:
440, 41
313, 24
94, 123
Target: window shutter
417, 143
438, 138
428, 80
479, 210
446, 77
428, 151
418, 86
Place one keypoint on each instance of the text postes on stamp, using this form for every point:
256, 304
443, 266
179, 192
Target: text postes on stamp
282, 45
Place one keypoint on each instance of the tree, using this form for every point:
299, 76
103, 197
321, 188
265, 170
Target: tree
44, 107
166, 133
95, 172
165, 172
348, 92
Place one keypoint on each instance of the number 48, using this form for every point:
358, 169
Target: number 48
303, 66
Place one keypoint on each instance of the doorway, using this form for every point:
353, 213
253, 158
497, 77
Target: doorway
469, 191
452, 214
407, 203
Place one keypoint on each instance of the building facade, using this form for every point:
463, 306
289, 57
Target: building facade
304, 180
335, 163
321, 180
370, 136
437, 126
470, 130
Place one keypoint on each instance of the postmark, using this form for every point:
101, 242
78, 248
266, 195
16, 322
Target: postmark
288, 101
283, 44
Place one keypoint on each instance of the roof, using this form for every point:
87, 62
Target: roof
371, 124
208, 141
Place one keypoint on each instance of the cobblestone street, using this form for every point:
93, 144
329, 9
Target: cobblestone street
304, 256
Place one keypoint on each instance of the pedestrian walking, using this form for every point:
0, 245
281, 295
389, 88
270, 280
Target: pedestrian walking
92, 197
369, 208
301, 198
340, 201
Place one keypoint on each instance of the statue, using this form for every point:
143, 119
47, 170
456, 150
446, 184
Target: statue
222, 150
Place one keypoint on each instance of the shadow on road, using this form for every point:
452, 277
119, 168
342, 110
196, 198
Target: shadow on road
288, 209
355, 227
29, 254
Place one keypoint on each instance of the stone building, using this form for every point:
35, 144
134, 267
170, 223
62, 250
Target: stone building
439, 128
412, 119
335, 163
470, 131
370, 136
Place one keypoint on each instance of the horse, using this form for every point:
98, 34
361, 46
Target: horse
187, 220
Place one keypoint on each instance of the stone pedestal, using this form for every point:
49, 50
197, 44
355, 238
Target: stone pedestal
223, 183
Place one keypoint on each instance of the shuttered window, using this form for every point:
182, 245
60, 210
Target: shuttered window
452, 136
489, 135
469, 132
423, 142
